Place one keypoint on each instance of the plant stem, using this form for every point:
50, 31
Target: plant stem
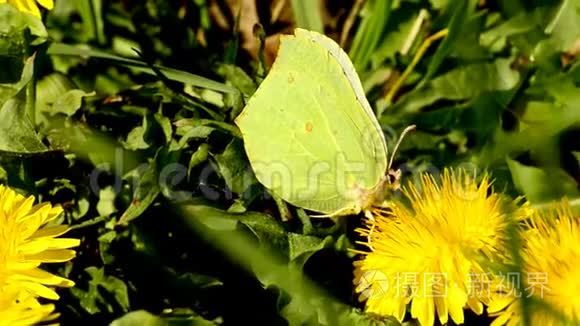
31, 86
88, 223
424, 46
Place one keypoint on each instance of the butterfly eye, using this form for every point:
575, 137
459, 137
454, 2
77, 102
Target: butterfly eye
394, 176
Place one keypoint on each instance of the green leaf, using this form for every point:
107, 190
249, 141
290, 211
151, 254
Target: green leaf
564, 26
268, 231
199, 280
106, 204
10, 90
17, 134
360, 318
543, 32
439, 4
540, 125
198, 157
542, 185
80, 209
238, 207
511, 8
93, 301
282, 205
49, 89
136, 137
13, 22
516, 25
139, 318
144, 318
307, 227
467, 47
144, 194
239, 79
479, 117
70, 102
299, 244
458, 85
193, 132
398, 28
105, 241
234, 168
165, 125
213, 218
154, 128
185, 125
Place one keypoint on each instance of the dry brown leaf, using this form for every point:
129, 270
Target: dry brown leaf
218, 16
277, 18
281, 12
349, 21
570, 56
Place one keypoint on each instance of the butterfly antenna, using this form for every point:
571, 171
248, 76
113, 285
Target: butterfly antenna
403, 134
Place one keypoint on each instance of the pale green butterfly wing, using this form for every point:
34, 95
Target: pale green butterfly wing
348, 68
309, 132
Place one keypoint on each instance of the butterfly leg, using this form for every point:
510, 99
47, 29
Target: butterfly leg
369, 215
340, 212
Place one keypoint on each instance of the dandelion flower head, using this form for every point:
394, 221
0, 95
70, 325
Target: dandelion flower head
551, 271
18, 308
30, 6
26, 242
430, 255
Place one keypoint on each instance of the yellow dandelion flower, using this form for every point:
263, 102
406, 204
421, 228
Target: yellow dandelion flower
551, 271
26, 242
18, 308
30, 6
432, 255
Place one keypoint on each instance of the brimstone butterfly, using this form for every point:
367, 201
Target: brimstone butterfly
310, 133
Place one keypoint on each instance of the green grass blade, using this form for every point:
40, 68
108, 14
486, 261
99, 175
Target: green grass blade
307, 14
172, 74
308, 300
375, 17
460, 16
92, 16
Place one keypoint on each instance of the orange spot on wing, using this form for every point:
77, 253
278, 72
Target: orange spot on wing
308, 126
